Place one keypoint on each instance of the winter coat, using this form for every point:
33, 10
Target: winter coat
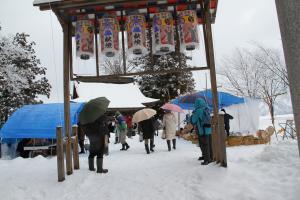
198, 115
227, 117
147, 127
96, 132
169, 124
121, 123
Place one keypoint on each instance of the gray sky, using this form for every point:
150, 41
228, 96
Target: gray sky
238, 24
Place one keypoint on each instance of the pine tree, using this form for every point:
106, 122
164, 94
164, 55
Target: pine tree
164, 86
22, 78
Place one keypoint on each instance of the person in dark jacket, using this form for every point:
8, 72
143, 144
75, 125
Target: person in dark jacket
97, 132
227, 117
147, 127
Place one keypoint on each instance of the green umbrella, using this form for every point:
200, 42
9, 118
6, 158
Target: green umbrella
93, 109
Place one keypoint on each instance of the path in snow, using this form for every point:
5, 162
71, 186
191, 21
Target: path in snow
254, 172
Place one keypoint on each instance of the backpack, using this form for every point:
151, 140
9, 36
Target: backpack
206, 120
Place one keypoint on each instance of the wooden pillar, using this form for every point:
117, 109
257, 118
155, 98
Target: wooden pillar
289, 23
222, 141
75, 147
211, 63
60, 155
96, 44
66, 78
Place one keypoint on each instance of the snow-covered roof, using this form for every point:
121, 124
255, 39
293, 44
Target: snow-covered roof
37, 2
120, 95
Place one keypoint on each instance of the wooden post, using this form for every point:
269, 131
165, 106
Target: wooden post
66, 77
222, 147
70, 50
96, 44
60, 155
75, 147
123, 42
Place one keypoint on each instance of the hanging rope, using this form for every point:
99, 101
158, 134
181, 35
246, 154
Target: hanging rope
54, 63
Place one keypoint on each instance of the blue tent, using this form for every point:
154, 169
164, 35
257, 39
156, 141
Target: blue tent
38, 121
225, 99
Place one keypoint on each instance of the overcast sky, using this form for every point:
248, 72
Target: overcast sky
238, 24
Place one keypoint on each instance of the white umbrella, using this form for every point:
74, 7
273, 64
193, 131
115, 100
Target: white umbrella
143, 114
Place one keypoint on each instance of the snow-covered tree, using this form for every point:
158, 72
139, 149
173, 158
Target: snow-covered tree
164, 86
22, 78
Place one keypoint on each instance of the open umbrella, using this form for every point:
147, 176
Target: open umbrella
172, 107
143, 114
93, 109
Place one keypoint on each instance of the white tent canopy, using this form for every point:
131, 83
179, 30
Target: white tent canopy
120, 95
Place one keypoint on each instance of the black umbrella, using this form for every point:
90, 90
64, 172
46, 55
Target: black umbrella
93, 109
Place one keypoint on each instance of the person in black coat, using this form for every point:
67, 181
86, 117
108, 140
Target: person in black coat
96, 132
147, 127
227, 117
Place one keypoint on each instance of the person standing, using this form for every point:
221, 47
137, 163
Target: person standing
169, 124
97, 132
122, 129
227, 117
129, 125
147, 128
202, 124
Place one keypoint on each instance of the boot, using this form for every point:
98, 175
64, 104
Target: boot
100, 166
116, 140
201, 158
147, 148
91, 164
126, 146
169, 145
174, 143
152, 145
123, 147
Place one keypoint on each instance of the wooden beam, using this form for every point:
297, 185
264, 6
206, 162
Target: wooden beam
60, 155
66, 82
70, 49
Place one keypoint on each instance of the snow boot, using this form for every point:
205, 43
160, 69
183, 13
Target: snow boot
91, 164
204, 163
147, 148
100, 166
126, 146
174, 143
169, 145
201, 158
152, 145
123, 147
116, 140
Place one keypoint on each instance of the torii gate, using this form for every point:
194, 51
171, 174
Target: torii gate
67, 10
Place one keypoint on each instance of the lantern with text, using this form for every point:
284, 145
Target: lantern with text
109, 36
84, 37
136, 36
163, 31
188, 30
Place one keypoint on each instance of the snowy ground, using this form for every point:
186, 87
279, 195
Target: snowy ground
254, 172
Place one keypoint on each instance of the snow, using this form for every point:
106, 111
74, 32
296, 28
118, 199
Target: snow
254, 172
120, 95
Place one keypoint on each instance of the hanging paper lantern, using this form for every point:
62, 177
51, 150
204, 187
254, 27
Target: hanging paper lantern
136, 36
163, 32
188, 30
84, 37
109, 36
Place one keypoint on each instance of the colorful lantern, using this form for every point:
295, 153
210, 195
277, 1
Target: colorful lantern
163, 31
136, 36
84, 37
109, 36
188, 30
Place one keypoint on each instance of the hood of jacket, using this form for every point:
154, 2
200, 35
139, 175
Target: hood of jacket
200, 103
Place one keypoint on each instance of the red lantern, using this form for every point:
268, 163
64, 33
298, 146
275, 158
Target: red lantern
163, 31
84, 37
188, 30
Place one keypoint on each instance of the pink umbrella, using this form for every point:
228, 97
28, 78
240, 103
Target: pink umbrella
172, 107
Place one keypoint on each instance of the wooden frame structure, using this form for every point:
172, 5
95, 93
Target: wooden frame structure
67, 10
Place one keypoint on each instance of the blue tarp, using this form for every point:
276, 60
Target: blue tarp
38, 121
225, 99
